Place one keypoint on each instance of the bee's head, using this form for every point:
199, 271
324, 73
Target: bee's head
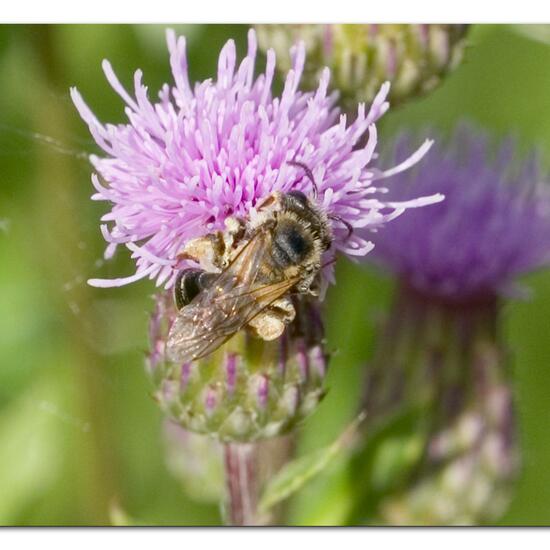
309, 215
299, 197
298, 202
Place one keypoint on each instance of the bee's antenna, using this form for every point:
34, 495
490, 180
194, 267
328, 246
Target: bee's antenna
348, 225
309, 174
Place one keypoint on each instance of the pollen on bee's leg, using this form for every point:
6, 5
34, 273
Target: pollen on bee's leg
284, 309
268, 326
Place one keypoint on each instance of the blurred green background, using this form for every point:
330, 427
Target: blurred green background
78, 428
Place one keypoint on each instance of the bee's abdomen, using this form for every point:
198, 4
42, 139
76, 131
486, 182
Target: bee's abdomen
189, 283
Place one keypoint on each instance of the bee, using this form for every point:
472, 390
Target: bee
248, 274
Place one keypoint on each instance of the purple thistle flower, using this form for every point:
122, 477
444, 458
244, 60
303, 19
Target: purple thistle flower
180, 166
493, 225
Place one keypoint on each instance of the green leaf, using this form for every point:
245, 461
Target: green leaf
298, 472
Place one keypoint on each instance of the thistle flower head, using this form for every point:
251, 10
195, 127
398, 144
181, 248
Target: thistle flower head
493, 225
180, 166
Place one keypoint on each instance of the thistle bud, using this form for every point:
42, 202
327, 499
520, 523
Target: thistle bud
248, 389
414, 58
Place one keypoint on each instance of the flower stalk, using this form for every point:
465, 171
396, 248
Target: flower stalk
241, 470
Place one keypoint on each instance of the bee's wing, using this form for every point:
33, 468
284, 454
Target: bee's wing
221, 310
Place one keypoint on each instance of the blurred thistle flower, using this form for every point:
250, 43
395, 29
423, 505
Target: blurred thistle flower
441, 358
415, 58
493, 226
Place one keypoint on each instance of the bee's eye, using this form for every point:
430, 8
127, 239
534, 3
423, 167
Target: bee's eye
299, 197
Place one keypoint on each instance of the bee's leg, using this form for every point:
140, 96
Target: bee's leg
315, 287
271, 323
189, 283
311, 283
